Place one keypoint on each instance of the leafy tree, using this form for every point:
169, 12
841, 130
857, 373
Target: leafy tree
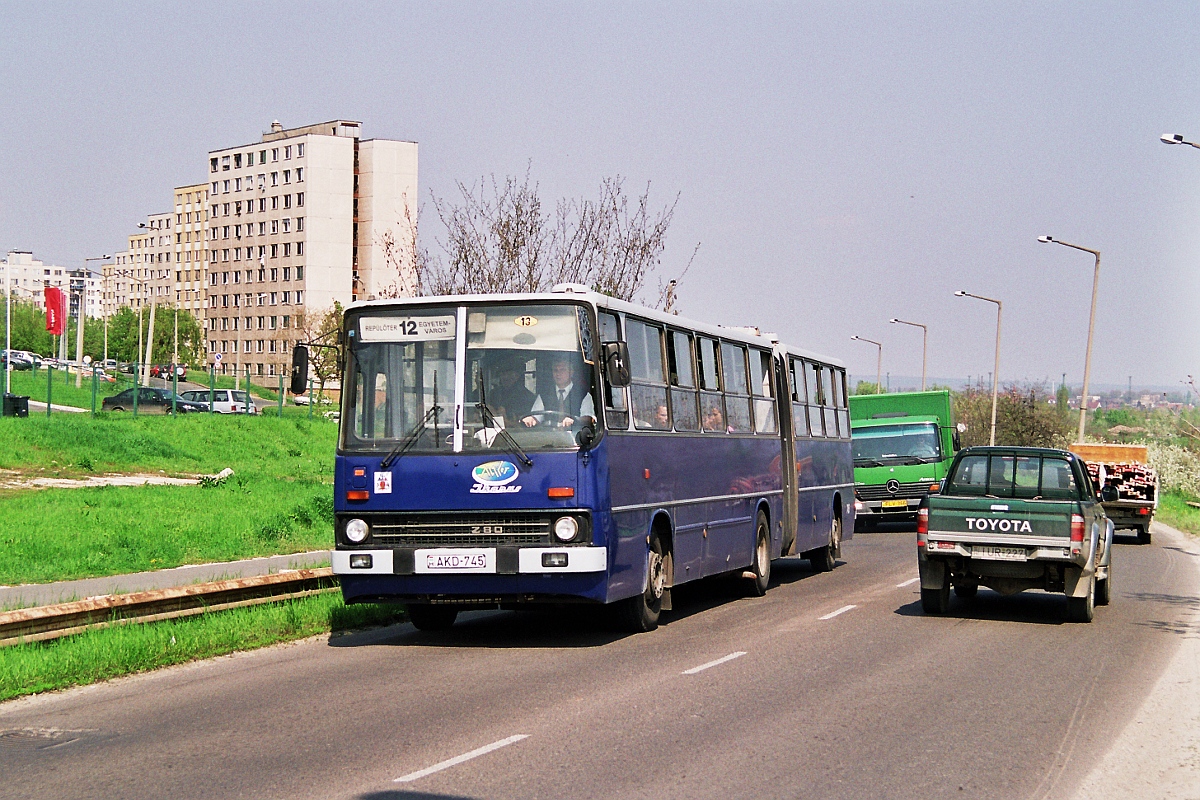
1023, 418
866, 387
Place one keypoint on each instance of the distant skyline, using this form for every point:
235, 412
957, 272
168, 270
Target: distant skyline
838, 163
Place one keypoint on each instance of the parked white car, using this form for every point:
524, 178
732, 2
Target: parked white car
225, 401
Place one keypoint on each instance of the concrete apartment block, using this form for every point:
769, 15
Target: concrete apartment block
387, 203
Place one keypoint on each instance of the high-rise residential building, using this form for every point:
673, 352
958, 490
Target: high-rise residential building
191, 248
297, 222
143, 274
29, 278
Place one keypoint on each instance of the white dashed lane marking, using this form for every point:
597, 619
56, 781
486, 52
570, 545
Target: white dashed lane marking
711, 664
841, 610
450, 762
908, 582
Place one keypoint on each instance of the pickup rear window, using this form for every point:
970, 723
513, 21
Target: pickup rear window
1028, 477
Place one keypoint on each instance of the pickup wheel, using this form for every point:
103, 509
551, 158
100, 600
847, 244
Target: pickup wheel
936, 601
1082, 609
432, 618
1104, 588
966, 591
1143, 534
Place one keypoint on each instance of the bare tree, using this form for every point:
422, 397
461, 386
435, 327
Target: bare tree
500, 239
323, 328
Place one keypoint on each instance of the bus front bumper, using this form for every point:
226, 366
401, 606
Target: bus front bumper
448, 561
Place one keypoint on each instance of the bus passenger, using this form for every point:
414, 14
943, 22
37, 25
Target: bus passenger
714, 419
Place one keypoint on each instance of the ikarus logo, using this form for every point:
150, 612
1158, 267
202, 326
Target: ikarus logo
495, 477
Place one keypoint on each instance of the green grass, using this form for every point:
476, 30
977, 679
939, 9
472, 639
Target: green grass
107, 653
1173, 509
279, 500
33, 385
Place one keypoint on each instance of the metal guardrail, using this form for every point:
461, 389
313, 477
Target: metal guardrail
63, 619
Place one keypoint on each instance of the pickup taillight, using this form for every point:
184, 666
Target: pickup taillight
1076, 528
922, 525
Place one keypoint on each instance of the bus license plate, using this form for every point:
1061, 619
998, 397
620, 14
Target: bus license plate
998, 553
901, 504
455, 560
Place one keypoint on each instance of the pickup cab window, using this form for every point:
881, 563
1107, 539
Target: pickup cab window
1015, 476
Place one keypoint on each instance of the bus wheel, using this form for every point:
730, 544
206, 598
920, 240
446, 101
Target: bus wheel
432, 618
824, 559
760, 568
642, 612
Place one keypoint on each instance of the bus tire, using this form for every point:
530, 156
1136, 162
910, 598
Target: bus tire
641, 613
432, 618
760, 567
824, 559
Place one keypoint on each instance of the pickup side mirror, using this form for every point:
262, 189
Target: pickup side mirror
616, 363
299, 369
1108, 494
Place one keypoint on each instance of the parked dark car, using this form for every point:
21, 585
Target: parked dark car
19, 362
150, 401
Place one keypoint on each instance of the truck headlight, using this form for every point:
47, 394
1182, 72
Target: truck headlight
356, 530
566, 529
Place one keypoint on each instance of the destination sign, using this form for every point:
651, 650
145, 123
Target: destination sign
406, 329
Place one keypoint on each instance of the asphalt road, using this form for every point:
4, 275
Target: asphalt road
1001, 698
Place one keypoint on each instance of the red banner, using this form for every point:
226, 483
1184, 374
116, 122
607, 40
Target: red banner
56, 311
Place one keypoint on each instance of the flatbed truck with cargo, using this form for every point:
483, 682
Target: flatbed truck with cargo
1127, 484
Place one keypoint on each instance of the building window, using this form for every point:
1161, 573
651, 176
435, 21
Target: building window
274, 226
287, 249
299, 174
300, 270
299, 222
286, 319
237, 276
275, 202
225, 209
212, 163
224, 255
299, 301
237, 184
300, 198
262, 296
287, 176
224, 186
287, 153
259, 347
237, 160
287, 225
274, 297
299, 248
275, 154
287, 273
225, 164
215, 185
250, 159
300, 150
237, 254
286, 298
262, 204
274, 178
287, 201
262, 156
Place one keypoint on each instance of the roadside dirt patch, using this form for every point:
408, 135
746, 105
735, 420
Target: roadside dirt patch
10, 480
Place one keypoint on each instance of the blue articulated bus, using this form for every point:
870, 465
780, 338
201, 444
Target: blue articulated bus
501, 450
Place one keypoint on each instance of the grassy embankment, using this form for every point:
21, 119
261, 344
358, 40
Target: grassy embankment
34, 384
99, 655
1173, 510
279, 500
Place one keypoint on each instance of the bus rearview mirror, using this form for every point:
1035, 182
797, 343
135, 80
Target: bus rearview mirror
616, 363
299, 369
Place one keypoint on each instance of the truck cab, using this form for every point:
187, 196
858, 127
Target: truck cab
1011, 519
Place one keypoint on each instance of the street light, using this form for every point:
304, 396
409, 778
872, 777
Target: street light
1175, 138
80, 318
1087, 363
996, 368
878, 361
924, 344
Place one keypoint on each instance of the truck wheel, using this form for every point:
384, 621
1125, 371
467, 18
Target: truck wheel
760, 568
432, 618
641, 613
1144, 534
1104, 588
966, 591
936, 601
1082, 609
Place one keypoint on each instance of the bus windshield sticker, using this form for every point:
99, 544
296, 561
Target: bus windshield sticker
406, 329
525, 321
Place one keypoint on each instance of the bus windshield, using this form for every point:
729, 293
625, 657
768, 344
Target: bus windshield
896, 444
526, 378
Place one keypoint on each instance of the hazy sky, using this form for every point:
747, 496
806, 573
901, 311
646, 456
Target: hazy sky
838, 163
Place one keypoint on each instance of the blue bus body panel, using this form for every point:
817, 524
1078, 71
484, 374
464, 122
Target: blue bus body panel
825, 479
698, 481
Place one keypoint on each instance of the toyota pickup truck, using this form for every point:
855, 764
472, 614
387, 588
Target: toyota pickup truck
1015, 518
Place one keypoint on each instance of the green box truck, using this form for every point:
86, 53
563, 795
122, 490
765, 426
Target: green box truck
903, 443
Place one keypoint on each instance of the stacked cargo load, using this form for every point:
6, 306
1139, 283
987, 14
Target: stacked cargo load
1126, 481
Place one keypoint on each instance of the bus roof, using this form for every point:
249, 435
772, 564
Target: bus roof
740, 334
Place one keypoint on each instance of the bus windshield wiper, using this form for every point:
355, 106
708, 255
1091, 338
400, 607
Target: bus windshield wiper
411, 437
490, 421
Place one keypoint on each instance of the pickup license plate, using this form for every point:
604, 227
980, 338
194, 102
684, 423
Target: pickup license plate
899, 504
455, 560
998, 553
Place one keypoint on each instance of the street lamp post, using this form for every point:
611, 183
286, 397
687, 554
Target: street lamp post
996, 368
924, 344
878, 361
1176, 138
1087, 361
82, 314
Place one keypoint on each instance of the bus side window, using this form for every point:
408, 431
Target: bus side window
816, 398
839, 378
799, 397
616, 410
712, 403
829, 401
648, 388
684, 398
761, 387
737, 394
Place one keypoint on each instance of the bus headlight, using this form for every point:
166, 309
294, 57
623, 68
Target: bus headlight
356, 530
566, 529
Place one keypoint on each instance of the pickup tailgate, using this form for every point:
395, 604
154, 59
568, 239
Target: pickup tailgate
1001, 521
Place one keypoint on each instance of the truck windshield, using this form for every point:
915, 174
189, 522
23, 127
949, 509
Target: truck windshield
897, 444
525, 378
